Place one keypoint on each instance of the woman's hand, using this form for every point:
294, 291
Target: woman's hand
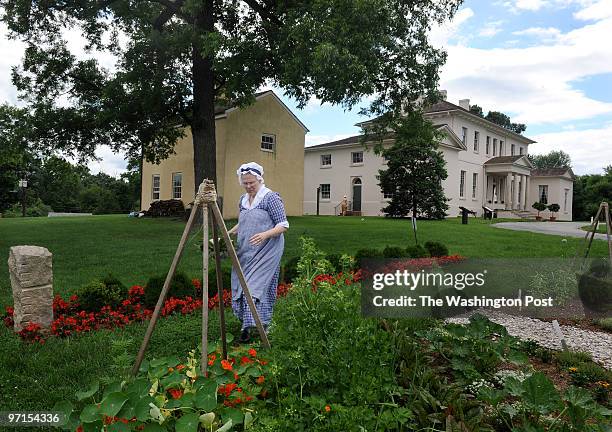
259, 238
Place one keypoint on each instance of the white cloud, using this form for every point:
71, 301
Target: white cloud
590, 150
12, 52
530, 5
113, 164
534, 84
322, 139
598, 10
440, 34
549, 33
491, 29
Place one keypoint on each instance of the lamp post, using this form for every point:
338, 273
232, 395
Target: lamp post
23, 184
318, 197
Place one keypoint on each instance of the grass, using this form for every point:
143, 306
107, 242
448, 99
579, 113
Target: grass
34, 377
601, 228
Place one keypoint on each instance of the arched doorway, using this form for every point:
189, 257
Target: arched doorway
357, 195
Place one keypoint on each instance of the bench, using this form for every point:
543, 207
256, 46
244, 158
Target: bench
489, 213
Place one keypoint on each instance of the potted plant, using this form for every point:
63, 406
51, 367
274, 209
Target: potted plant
539, 206
554, 208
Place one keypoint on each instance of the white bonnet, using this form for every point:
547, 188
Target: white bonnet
250, 168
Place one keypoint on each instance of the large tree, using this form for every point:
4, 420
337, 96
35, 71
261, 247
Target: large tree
554, 159
499, 118
177, 58
415, 169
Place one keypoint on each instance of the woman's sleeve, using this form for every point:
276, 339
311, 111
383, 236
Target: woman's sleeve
276, 209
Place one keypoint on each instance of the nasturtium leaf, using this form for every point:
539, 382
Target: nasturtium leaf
112, 403
144, 366
207, 419
540, 394
254, 372
248, 419
118, 427
142, 408
187, 423
111, 388
93, 427
141, 386
154, 427
159, 371
517, 358
155, 413
64, 407
128, 410
89, 392
235, 415
227, 426
206, 396
90, 414
163, 361
72, 422
173, 380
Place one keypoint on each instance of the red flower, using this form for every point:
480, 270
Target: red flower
252, 352
327, 408
226, 365
176, 393
180, 367
260, 380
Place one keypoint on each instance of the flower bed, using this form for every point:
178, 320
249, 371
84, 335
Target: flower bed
71, 319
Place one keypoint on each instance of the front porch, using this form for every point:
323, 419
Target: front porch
507, 184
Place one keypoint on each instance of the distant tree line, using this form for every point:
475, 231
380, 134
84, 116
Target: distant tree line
499, 118
54, 184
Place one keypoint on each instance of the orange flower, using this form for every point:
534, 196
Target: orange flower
573, 369
211, 362
252, 352
79, 429
260, 380
170, 369
327, 408
176, 393
226, 365
180, 367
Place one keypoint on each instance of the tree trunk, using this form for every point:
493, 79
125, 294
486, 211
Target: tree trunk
203, 124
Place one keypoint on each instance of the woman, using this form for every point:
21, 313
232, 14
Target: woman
261, 224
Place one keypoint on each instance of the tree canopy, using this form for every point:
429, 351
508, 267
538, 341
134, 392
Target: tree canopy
415, 169
499, 118
554, 159
177, 59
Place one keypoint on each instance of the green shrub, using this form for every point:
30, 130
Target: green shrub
180, 286
604, 323
98, 293
417, 251
366, 253
595, 287
334, 259
37, 208
289, 270
436, 249
226, 280
394, 252
573, 358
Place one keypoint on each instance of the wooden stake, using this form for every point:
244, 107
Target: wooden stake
609, 231
236, 263
166, 287
204, 358
219, 288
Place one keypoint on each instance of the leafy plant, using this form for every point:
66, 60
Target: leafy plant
417, 251
180, 286
436, 249
366, 253
393, 252
539, 206
98, 293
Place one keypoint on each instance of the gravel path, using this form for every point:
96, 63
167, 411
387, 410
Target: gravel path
599, 344
565, 229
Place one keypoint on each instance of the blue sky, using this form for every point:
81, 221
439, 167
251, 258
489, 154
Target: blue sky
546, 63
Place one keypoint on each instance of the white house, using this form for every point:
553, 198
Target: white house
487, 167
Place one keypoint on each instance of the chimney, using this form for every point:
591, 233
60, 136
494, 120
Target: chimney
465, 104
443, 94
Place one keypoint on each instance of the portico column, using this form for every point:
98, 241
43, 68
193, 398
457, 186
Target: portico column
508, 191
526, 206
515, 198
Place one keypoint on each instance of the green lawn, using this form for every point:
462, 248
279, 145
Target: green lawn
601, 228
36, 376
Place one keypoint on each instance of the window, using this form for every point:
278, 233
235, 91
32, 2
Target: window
512, 150
474, 184
357, 158
326, 160
501, 148
565, 200
543, 193
521, 151
495, 146
476, 139
325, 191
268, 142
177, 185
488, 145
155, 189
464, 135
462, 185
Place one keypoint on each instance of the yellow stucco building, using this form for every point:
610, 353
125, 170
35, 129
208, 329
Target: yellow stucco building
266, 132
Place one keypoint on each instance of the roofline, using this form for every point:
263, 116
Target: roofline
529, 164
568, 169
261, 96
453, 136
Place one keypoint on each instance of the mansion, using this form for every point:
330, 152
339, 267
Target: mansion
487, 166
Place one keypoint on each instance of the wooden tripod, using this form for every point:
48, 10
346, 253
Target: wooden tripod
206, 198
604, 209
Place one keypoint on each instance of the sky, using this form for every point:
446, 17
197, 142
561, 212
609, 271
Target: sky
545, 63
